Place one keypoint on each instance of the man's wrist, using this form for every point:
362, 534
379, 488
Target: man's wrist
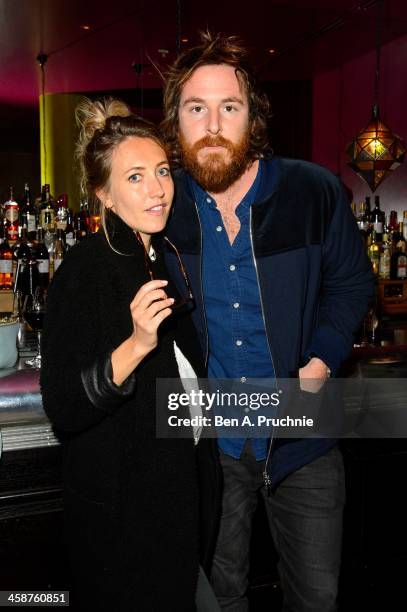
327, 368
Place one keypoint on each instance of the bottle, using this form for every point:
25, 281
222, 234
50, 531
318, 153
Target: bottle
6, 265
30, 278
385, 260
69, 230
353, 206
377, 217
61, 214
12, 211
405, 224
373, 252
393, 222
23, 251
48, 231
85, 214
398, 266
368, 215
47, 207
42, 257
80, 225
361, 221
28, 209
59, 250
77, 236
400, 237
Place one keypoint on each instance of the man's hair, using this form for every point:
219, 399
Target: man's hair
215, 50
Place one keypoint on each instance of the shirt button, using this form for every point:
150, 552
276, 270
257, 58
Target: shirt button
239, 343
243, 379
219, 228
208, 200
232, 268
236, 305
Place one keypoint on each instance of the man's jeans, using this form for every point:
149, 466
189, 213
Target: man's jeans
305, 517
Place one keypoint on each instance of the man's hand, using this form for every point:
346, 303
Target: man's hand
313, 375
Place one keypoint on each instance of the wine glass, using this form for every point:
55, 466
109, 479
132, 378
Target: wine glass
370, 324
33, 312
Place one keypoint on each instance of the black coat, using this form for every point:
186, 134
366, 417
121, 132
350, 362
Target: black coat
131, 500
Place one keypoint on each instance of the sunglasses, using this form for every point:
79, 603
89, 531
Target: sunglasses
180, 302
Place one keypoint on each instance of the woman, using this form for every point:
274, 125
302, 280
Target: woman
131, 500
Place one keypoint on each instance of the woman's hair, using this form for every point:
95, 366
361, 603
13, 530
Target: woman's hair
104, 124
214, 51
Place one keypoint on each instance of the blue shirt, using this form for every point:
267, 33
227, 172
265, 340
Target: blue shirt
238, 345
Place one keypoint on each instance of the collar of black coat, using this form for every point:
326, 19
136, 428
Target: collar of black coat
292, 210
123, 238
183, 227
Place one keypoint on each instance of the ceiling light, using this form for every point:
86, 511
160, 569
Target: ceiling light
376, 151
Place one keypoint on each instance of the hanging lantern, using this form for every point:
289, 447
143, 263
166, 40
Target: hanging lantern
375, 152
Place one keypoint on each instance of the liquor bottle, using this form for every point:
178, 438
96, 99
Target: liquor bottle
47, 207
393, 223
85, 214
400, 234
77, 236
378, 219
30, 278
373, 252
61, 213
21, 254
6, 265
12, 210
23, 251
59, 250
80, 225
385, 260
405, 224
398, 266
368, 214
353, 206
42, 257
48, 227
69, 230
361, 221
28, 209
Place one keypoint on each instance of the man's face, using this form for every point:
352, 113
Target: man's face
214, 127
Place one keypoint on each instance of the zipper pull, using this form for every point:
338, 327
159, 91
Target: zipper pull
267, 482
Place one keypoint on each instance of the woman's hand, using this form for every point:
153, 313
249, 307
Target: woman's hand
148, 309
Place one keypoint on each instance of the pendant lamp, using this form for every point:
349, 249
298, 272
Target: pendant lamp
376, 151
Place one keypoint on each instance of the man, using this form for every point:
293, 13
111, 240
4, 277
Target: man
280, 282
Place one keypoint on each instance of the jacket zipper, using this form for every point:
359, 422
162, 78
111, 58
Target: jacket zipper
266, 477
200, 281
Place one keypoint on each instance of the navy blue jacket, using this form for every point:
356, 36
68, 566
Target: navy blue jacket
315, 279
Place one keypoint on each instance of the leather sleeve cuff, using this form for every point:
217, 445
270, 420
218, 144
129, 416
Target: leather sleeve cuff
98, 383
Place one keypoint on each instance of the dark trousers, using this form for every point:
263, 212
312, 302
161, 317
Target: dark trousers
305, 517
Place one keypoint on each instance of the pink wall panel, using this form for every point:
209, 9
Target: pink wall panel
342, 101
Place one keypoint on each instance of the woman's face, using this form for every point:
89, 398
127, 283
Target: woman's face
141, 187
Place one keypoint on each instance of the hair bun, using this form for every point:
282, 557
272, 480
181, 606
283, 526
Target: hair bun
92, 116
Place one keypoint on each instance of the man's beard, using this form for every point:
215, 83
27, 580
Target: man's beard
214, 174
